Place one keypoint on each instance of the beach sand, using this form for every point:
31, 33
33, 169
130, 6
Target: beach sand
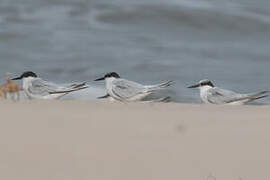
91, 140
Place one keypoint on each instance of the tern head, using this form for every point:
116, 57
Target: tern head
109, 75
203, 83
26, 75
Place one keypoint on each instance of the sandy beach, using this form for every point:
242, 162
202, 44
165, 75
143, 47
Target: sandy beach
82, 140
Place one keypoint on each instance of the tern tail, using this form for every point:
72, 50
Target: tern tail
69, 90
159, 86
259, 95
75, 86
252, 97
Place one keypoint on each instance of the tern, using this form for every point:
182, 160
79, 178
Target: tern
214, 95
124, 90
37, 88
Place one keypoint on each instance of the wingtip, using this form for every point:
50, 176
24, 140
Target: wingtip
83, 84
261, 93
167, 84
171, 82
84, 87
69, 91
103, 97
260, 97
166, 99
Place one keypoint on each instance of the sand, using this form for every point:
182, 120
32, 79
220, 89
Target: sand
90, 140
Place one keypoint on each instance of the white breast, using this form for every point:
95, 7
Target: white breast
109, 85
204, 92
27, 82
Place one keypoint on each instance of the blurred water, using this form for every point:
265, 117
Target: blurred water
144, 40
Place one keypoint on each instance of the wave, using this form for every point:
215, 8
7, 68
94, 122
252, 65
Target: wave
203, 18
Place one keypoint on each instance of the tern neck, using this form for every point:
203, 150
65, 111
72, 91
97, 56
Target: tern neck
109, 81
203, 92
27, 82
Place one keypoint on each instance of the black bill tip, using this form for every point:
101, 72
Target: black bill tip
194, 86
100, 79
17, 78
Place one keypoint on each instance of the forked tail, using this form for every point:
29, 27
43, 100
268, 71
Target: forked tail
259, 95
251, 97
74, 87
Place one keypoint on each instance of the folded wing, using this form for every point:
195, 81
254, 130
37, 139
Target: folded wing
41, 87
125, 89
222, 96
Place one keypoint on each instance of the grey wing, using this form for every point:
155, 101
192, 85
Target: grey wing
41, 87
125, 89
222, 96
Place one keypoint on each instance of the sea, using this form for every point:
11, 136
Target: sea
147, 41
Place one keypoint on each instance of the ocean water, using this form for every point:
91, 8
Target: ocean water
148, 41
